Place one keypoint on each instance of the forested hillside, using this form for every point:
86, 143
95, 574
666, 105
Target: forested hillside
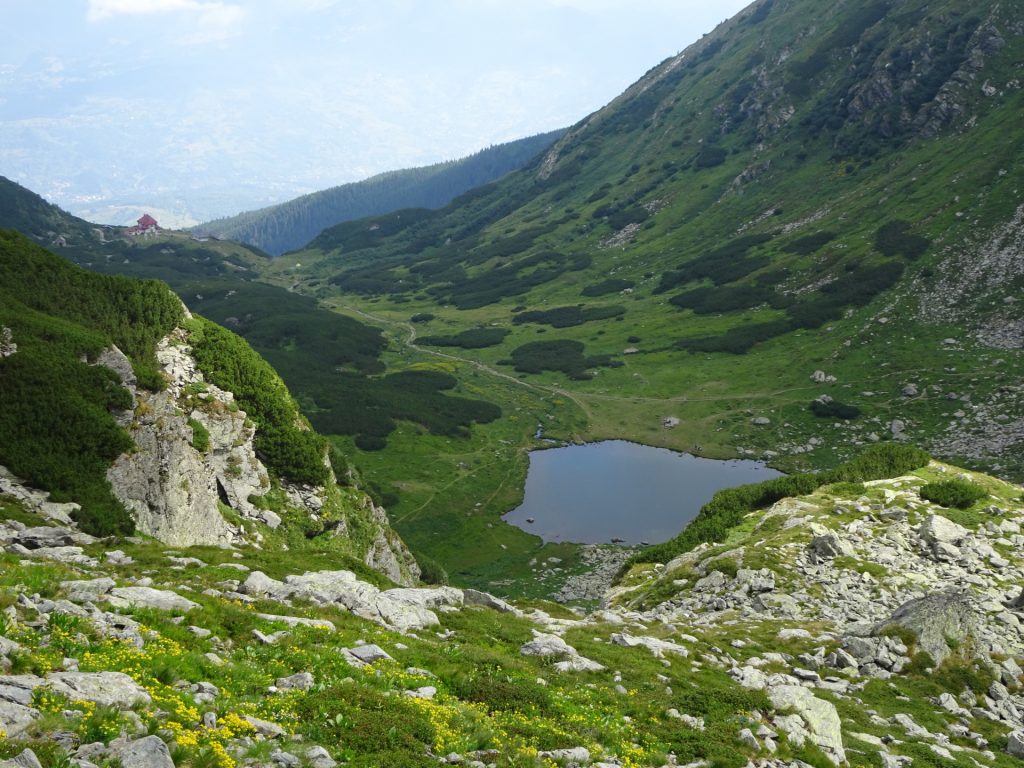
288, 226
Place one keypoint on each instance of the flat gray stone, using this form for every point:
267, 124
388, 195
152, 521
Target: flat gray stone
149, 752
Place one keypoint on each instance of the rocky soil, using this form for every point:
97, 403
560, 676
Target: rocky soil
861, 625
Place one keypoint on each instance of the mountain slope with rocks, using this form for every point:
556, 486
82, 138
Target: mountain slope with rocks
858, 625
810, 187
155, 440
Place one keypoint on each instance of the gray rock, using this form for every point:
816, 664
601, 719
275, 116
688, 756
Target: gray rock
578, 664
547, 645
821, 718
936, 620
297, 621
286, 759
937, 529
149, 752
113, 689
90, 590
368, 654
7, 646
301, 681
476, 597
828, 544
263, 728
147, 597
15, 718
26, 759
1015, 743
747, 737
319, 757
754, 582
424, 692
572, 754
656, 646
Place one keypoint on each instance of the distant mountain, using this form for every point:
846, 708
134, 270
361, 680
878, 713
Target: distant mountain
288, 226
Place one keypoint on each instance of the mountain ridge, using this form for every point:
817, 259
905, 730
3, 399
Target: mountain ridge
288, 226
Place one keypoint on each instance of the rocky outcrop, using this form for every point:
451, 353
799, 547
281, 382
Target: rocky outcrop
7, 345
171, 487
399, 609
388, 553
820, 720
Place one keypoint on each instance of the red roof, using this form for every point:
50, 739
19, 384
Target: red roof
147, 221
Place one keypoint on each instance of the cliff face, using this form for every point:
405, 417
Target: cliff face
175, 480
194, 472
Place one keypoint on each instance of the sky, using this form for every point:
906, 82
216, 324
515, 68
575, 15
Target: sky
204, 108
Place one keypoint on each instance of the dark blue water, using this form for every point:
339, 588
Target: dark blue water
617, 490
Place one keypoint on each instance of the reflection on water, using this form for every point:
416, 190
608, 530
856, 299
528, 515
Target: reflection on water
598, 492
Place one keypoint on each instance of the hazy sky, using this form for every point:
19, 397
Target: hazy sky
207, 107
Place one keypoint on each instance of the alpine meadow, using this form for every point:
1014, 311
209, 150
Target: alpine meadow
254, 474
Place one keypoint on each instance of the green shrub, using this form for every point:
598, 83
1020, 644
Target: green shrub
961, 494
557, 355
431, 571
200, 436
725, 565
566, 317
502, 692
833, 409
804, 246
605, 287
895, 239
474, 338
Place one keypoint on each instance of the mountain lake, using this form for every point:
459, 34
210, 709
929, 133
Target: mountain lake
615, 490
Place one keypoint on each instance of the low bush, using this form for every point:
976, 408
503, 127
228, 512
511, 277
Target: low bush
557, 355
804, 246
503, 692
567, 317
961, 494
833, 409
474, 338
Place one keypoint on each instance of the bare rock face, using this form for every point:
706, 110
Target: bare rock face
388, 553
171, 488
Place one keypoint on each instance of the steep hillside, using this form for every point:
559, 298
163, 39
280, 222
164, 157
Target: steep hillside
799, 236
871, 624
289, 226
132, 414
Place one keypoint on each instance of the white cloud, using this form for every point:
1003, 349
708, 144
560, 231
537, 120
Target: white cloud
214, 20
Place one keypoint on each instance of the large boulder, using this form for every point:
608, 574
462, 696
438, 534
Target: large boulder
111, 689
937, 529
937, 621
820, 717
401, 609
826, 544
149, 752
147, 597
